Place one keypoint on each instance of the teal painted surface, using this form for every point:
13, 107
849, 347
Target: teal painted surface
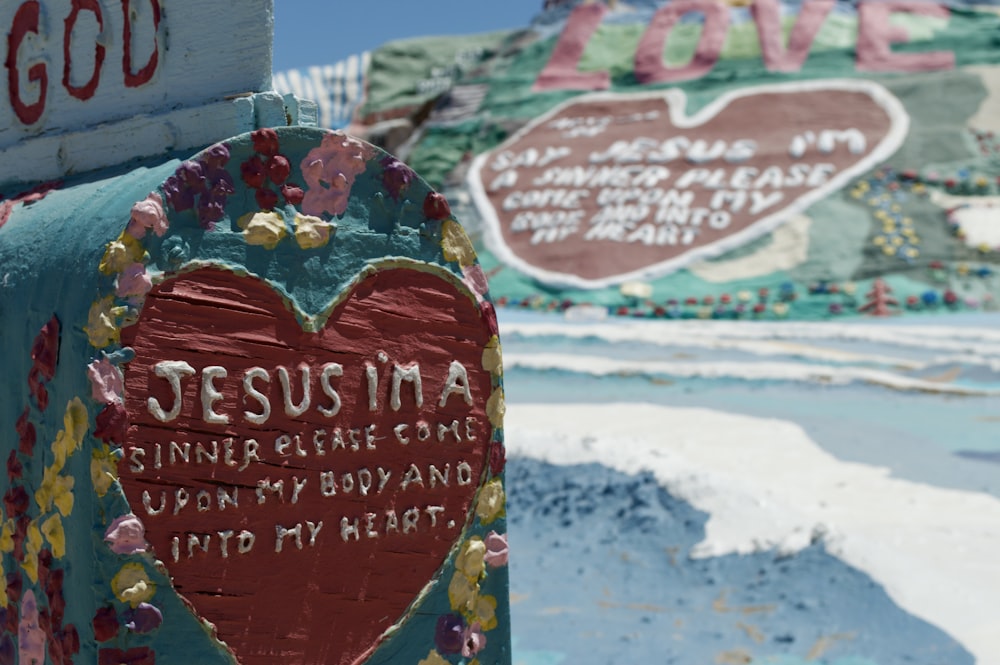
50, 251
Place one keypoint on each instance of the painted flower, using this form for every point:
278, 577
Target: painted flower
52, 529
493, 357
253, 173
30, 635
396, 176
105, 624
101, 327
491, 502
433, 658
133, 281
32, 546
498, 457
264, 229
496, 549
473, 641
56, 490
112, 423
148, 214
145, 618
436, 206
75, 421
265, 141
486, 612
449, 633
471, 558
131, 585
7, 536
103, 469
475, 279
329, 171
45, 349
312, 232
126, 535
106, 382
496, 408
455, 244
462, 592
121, 252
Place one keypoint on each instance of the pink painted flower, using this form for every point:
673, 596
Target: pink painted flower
496, 549
475, 279
329, 171
133, 281
148, 214
106, 382
473, 641
31, 636
126, 535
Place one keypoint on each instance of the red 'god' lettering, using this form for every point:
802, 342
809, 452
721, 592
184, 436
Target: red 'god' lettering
28, 71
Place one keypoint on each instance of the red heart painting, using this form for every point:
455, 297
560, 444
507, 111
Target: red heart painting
303, 487
612, 187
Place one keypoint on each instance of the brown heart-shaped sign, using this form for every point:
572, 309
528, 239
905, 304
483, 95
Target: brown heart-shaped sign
303, 483
611, 187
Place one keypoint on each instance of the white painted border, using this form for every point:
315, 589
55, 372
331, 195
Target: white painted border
676, 102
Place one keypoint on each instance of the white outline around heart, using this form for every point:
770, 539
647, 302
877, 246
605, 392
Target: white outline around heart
676, 102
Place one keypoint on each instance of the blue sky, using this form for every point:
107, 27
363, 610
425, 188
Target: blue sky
317, 32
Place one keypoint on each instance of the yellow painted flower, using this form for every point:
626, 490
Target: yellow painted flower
55, 490
312, 232
492, 501
32, 546
75, 421
264, 229
101, 327
131, 585
496, 408
462, 593
471, 559
7, 536
456, 244
52, 529
120, 253
486, 612
493, 357
3, 586
779, 308
433, 658
103, 469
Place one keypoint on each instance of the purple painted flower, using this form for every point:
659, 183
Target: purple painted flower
126, 535
450, 633
216, 156
143, 619
396, 176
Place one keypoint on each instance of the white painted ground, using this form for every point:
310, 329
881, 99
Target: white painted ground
766, 486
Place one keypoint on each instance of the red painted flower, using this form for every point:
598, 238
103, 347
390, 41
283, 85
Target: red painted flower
137, 656
106, 624
112, 424
266, 199
252, 172
278, 169
293, 194
265, 141
436, 206
26, 433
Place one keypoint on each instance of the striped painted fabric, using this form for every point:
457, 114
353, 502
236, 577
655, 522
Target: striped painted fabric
337, 89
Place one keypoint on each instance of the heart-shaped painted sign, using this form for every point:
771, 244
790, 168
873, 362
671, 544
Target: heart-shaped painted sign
304, 483
611, 187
